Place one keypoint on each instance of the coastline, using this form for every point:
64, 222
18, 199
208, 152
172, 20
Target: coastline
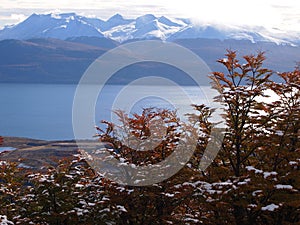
37, 154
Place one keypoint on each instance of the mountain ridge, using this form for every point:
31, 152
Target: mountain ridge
65, 61
69, 25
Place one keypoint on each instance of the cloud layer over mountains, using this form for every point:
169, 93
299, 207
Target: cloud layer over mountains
67, 25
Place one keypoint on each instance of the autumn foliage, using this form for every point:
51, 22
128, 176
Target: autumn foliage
255, 178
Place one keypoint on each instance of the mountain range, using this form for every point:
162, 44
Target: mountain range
48, 60
68, 25
58, 48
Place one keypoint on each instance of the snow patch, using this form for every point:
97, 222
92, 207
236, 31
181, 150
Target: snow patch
121, 208
293, 163
169, 195
282, 186
251, 168
79, 186
270, 207
55, 16
255, 193
267, 174
5, 221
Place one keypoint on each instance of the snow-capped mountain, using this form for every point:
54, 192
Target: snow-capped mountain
68, 25
59, 26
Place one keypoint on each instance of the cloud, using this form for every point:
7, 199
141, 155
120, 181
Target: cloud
289, 15
12, 18
282, 14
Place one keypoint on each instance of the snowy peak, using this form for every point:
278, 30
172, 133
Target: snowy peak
149, 30
199, 32
118, 28
60, 26
145, 27
142, 20
114, 21
117, 19
170, 22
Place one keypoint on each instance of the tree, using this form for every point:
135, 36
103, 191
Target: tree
239, 90
68, 194
167, 201
11, 183
281, 149
255, 176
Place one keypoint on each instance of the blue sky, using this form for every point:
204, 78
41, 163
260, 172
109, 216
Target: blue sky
279, 14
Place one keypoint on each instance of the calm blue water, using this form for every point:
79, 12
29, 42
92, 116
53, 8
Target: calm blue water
44, 111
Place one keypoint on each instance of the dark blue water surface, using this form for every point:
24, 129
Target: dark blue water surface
44, 111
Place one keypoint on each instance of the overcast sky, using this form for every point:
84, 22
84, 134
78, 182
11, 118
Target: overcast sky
281, 14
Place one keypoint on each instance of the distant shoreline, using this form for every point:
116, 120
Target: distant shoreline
38, 154
21, 142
